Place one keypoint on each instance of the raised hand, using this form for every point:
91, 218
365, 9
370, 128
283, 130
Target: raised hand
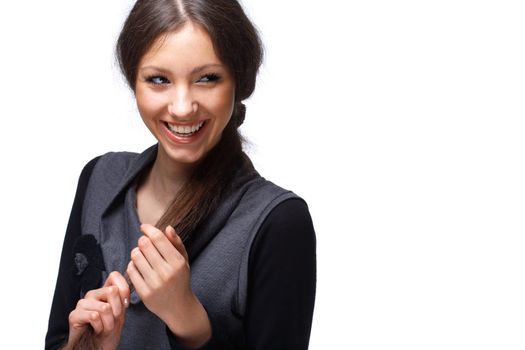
160, 273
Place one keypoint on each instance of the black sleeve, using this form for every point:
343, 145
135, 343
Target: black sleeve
281, 283
67, 290
282, 280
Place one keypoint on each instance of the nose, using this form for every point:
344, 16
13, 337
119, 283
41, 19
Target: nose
182, 104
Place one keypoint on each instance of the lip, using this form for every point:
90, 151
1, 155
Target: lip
184, 139
185, 124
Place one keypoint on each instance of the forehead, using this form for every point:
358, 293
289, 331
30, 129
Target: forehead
186, 47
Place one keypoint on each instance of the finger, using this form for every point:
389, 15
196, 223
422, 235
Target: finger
100, 294
107, 318
95, 294
177, 242
80, 318
151, 254
116, 279
115, 301
100, 313
138, 281
143, 266
96, 322
160, 241
90, 305
79, 321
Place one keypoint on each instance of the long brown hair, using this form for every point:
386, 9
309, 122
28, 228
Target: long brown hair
239, 47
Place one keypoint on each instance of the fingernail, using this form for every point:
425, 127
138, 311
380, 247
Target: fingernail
126, 302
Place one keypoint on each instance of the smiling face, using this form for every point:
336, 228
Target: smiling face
185, 94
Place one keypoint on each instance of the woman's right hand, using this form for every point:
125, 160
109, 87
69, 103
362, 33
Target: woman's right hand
104, 309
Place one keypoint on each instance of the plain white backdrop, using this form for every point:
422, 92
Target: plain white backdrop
400, 122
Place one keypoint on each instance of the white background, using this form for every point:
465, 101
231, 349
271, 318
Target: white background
400, 122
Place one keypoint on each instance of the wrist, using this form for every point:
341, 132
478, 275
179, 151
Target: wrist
189, 323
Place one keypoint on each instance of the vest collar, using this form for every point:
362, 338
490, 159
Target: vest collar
135, 167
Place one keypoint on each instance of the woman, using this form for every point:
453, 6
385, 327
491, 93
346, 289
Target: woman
140, 221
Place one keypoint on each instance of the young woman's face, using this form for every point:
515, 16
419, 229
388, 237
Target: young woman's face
185, 94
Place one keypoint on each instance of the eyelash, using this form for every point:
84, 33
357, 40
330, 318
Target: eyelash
212, 77
207, 78
154, 80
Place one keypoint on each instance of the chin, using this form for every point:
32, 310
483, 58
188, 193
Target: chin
185, 157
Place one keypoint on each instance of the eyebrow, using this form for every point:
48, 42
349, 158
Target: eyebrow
193, 71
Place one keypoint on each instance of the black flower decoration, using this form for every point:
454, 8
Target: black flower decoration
88, 263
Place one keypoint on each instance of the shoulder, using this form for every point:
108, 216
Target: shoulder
116, 168
108, 176
277, 207
291, 212
265, 193
117, 160
113, 163
288, 224
285, 223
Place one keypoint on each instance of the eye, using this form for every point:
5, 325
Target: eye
208, 78
157, 80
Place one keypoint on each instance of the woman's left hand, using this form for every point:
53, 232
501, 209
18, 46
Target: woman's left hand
160, 272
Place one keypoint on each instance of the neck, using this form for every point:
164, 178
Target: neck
166, 178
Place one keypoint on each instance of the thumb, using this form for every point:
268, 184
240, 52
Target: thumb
116, 279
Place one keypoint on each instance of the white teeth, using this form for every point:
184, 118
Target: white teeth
185, 130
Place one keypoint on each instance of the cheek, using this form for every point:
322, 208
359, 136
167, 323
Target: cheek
148, 104
222, 104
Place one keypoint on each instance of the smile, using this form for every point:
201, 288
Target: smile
184, 130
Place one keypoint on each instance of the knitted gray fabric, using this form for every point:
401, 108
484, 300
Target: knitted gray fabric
219, 253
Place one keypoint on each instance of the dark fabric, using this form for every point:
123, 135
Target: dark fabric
67, 290
282, 280
283, 255
89, 263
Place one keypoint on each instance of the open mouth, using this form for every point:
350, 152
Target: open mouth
185, 130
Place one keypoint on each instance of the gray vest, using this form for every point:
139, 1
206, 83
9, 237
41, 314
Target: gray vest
219, 253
